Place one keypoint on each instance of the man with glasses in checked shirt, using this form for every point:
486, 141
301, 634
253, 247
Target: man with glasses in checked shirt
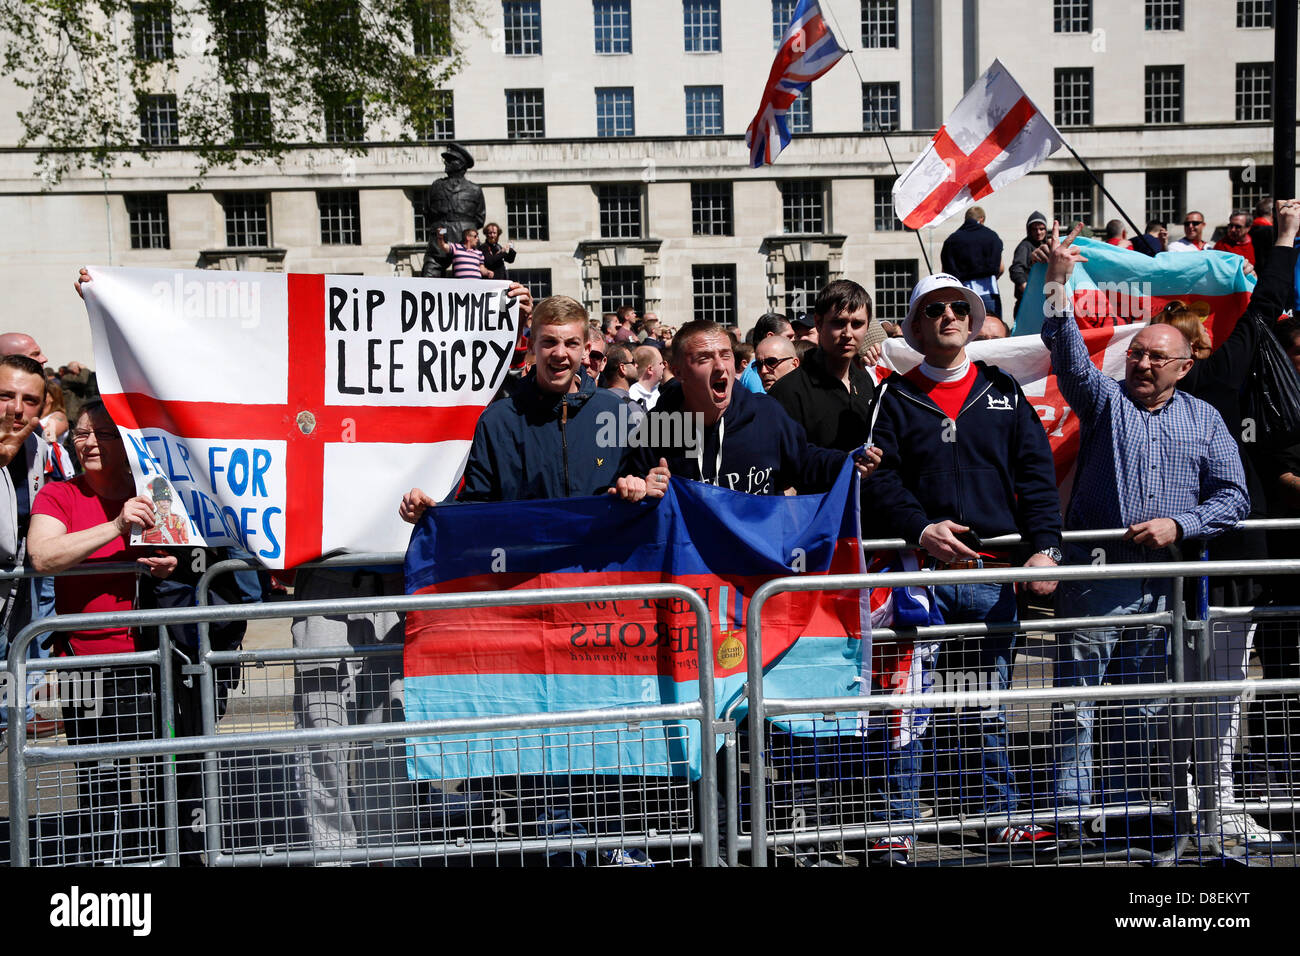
1157, 462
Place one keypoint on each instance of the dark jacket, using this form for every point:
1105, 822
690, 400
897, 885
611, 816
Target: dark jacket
974, 251
763, 450
831, 415
993, 471
1020, 264
536, 444
495, 258
1218, 380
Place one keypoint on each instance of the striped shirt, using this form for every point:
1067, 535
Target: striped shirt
1177, 462
465, 262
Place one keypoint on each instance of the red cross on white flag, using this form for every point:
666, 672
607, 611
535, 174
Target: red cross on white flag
290, 413
993, 137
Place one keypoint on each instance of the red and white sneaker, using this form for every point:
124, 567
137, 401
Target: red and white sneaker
1030, 835
890, 851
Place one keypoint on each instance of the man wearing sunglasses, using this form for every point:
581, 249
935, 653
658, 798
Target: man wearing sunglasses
775, 358
1193, 230
1163, 465
964, 451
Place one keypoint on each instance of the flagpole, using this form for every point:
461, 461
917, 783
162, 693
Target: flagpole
1140, 247
839, 33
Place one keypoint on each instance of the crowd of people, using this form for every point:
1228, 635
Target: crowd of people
951, 453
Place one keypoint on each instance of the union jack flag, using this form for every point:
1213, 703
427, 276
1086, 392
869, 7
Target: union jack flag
807, 51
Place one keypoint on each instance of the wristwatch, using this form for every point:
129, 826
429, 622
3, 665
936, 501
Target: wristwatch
1054, 553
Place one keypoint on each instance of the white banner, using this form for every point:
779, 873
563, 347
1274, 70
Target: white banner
289, 413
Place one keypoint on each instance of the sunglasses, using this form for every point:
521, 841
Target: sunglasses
772, 364
597, 356
960, 308
1157, 359
1193, 222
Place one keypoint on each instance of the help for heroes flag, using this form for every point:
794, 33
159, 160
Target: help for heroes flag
993, 137
551, 658
289, 412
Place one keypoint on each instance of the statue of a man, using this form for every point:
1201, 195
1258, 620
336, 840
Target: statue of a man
454, 204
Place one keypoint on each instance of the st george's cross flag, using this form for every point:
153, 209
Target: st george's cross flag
993, 137
808, 50
290, 413
551, 658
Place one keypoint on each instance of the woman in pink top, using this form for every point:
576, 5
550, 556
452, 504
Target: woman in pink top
89, 520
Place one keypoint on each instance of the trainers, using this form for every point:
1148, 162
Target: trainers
1243, 828
624, 857
1030, 835
890, 851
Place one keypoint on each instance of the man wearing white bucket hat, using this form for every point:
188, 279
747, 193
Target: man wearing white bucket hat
965, 457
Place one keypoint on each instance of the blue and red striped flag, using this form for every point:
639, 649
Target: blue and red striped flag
553, 658
1120, 287
808, 50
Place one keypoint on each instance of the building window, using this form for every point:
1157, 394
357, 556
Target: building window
798, 118
620, 286
250, 115
879, 106
1254, 14
431, 28
620, 211
244, 26
1164, 94
803, 280
782, 14
147, 214
895, 279
345, 120
525, 114
153, 31
711, 209
880, 24
614, 111
1073, 96
340, 217
419, 198
441, 125
803, 205
613, 25
159, 122
536, 281
703, 111
1254, 92
714, 294
527, 213
1072, 199
1251, 184
886, 220
1164, 193
703, 23
523, 30
1072, 16
248, 221
1164, 14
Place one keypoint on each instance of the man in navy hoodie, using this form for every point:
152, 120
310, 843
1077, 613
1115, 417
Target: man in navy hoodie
964, 451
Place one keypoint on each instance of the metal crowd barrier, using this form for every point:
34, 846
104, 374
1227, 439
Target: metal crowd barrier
210, 745
1192, 723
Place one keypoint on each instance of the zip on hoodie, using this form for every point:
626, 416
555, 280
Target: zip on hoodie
971, 400
564, 443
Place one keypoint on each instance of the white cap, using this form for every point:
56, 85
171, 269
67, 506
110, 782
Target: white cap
941, 280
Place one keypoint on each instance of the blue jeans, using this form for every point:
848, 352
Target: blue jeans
897, 790
990, 657
1122, 656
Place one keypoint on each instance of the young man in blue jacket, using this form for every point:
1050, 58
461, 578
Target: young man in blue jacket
964, 451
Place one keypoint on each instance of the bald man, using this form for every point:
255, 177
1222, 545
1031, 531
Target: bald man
776, 358
20, 343
649, 371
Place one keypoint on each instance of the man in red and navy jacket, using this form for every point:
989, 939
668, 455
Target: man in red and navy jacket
964, 451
